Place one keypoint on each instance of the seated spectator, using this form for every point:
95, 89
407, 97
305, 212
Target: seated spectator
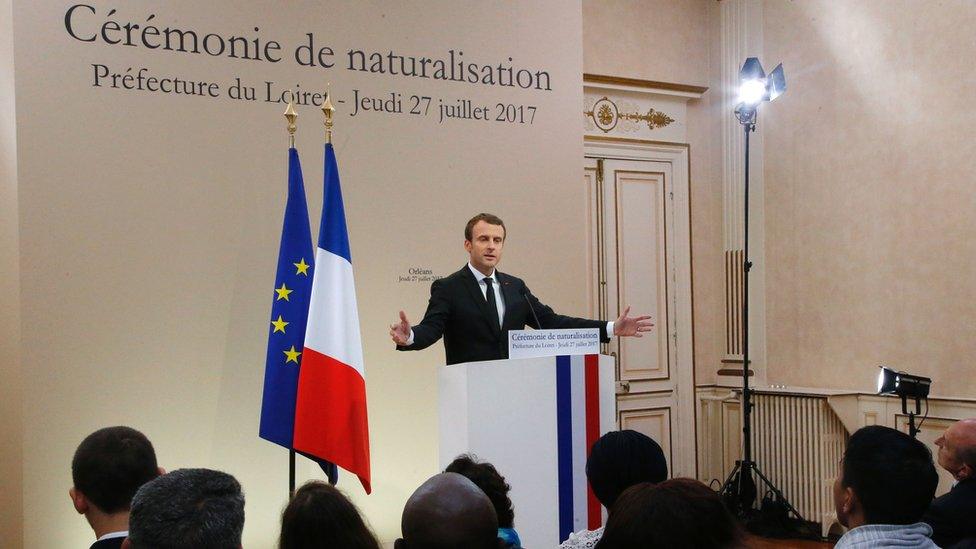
951, 515
885, 483
321, 516
492, 483
448, 512
107, 469
680, 513
617, 461
187, 509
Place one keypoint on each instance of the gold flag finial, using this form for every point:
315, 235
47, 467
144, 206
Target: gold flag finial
291, 115
329, 111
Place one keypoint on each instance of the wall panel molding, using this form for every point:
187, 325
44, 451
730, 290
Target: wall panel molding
741, 37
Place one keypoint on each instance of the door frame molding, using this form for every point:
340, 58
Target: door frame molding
678, 155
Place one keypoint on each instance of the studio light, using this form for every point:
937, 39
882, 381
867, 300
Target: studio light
751, 92
776, 84
752, 70
755, 87
907, 386
739, 489
891, 382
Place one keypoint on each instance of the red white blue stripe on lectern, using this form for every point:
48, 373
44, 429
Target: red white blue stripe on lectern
578, 427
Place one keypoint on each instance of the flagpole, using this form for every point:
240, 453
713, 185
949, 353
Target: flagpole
291, 473
332, 424
328, 110
291, 115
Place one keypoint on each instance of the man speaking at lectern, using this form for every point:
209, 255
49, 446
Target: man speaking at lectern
474, 308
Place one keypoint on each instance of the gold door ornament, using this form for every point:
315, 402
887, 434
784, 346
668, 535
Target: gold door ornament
605, 115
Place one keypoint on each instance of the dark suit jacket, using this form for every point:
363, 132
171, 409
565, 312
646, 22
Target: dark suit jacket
953, 515
458, 311
110, 543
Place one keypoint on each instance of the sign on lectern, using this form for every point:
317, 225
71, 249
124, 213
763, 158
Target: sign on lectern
537, 343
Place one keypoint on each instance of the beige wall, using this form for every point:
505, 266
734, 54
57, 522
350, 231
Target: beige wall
11, 376
869, 163
676, 42
136, 265
868, 194
660, 40
149, 229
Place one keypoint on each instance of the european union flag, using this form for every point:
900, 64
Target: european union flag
289, 313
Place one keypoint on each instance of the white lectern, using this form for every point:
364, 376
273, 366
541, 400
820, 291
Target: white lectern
535, 419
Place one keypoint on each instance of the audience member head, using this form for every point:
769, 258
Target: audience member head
448, 511
886, 477
957, 449
621, 459
491, 482
188, 508
321, 516
107, 469
675, 514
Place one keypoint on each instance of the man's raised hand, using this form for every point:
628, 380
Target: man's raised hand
631, 325
400, 331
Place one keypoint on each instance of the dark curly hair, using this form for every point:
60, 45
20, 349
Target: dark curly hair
491, 482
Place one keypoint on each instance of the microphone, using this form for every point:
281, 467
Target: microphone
525, 294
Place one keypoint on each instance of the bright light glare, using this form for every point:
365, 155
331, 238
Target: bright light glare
881, 377
751, 92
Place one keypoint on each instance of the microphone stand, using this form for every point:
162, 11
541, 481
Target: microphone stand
525, 294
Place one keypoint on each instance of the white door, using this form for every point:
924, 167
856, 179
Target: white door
631, 212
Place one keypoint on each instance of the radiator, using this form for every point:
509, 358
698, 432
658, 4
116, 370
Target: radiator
798, 443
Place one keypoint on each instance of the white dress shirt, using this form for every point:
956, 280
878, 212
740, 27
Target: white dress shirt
110, 535
499, 302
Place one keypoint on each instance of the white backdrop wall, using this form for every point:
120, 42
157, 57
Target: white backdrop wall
149, 224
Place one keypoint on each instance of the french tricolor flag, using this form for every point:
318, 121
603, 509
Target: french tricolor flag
330, 412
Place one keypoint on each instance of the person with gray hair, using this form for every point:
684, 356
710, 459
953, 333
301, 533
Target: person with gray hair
187, 509
951, 515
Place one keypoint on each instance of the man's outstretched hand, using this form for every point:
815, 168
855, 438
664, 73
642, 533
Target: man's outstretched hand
400, 331
623, 326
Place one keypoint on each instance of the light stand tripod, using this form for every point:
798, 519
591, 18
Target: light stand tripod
912, 429
739, 489
906, 386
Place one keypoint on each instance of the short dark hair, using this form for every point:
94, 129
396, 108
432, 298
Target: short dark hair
679, 513
491, 482
111, 464
321, 516
487, 218
621, 459
188, 508
891, 473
